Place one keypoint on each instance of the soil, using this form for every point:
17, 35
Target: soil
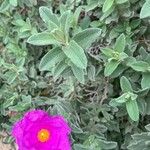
5, 146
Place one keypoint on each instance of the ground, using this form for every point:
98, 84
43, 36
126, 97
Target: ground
4, 146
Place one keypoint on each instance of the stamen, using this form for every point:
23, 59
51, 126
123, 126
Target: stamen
43, 135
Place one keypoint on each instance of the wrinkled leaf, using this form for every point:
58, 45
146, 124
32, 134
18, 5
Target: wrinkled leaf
108, 52
120, 43
145, 11
125, 85
78, 73
13, 2
86, 37
107, 5
59, 69
132, 109
43, 38
76, 54
110, 67
145, 83
48, 17
140, 66
51, 58
65, 21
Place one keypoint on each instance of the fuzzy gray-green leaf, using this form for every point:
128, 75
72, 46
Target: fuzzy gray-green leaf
140, 66
48, 17
125, 85
145, 82
120, 43
86, 37
145, 11
78, 72
132, 109
76, 54
51, 58
43, 38
110, 67
107, 5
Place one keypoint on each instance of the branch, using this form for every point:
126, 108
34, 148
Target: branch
105, 92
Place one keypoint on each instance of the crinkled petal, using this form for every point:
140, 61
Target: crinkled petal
35, 115
26, 130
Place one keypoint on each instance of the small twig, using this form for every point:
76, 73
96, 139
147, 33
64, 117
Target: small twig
105, 92
147, 42
142, 41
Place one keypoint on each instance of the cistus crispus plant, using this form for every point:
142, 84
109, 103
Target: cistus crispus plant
85, 61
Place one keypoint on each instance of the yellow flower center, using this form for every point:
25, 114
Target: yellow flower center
43, 135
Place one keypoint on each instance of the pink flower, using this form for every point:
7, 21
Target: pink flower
39, 131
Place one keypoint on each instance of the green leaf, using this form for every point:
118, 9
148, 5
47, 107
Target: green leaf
91, 72
13, 2
110, 67
118, 71
92, 4
85, 22
122, 56
118, 101
145, 11
48, 17
107, 5
135, 23
9, 102
132, 95
51, 58
10, 76
86, 37
4, 6
140, 66
76, 128
120, 43
79, 147
77, 15
60, 36
107, 13
147, 127
108, 52
92, 143
43, 38
59, 69
142, 106
65, 21
76, 54
125, 85
121, 1
129, 61
78, 73
107, 145
145, 83
132, 109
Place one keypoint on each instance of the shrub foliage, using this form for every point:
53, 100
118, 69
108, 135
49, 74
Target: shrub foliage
88, 60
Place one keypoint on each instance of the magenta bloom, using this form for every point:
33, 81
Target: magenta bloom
39, 131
